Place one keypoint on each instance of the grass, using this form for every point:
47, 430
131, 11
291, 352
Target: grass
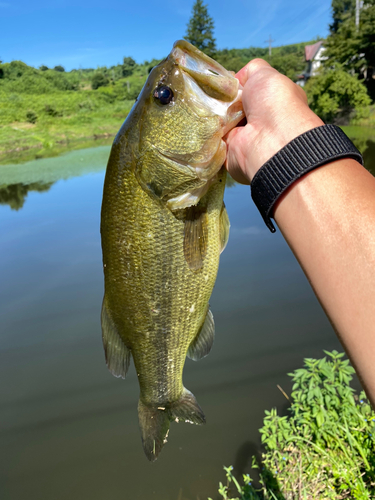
40, 118
79, 121
325, 448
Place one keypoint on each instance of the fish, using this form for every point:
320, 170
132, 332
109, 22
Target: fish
163, 227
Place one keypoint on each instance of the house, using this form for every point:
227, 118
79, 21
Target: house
314, 55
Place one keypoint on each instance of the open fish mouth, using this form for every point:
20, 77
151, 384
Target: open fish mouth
216, 88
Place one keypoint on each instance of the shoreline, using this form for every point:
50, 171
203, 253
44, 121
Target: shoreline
22, 154
56, 146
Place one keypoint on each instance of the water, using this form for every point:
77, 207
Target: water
68, 428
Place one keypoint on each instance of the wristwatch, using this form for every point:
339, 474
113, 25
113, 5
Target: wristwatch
310, 150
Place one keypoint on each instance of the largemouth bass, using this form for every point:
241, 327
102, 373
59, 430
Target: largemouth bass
163, 227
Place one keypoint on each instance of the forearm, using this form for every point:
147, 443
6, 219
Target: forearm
327, 219
327, 216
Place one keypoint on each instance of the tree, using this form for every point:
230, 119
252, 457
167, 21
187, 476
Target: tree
354, 47
59, 68
128, 66
335, 92
341, 9
200, 29
99, 80
43, 67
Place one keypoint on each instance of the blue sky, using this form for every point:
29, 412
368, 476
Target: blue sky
83, 33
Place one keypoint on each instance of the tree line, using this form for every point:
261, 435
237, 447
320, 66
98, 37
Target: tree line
346, 82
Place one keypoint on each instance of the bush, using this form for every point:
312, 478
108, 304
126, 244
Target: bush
99, 80
59, 68
51, 110
324, 449
128, 66
31, 117
336, 91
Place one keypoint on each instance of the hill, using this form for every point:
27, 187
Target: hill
43, 111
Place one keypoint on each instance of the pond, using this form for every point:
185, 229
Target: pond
68, 428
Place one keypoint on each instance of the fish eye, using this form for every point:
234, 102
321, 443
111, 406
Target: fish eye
164, 94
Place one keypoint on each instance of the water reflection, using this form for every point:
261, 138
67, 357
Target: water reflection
15, 195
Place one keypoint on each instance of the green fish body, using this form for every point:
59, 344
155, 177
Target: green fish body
163, 228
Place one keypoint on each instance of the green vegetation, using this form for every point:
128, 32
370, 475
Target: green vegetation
200, 30
336, 91
325, 448
44, 111
351, 46
349, 67
289, 59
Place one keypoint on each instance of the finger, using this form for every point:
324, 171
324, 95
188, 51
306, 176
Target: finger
250, 68
256, 65
234, 155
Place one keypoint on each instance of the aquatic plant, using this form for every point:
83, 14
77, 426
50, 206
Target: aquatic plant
325, 448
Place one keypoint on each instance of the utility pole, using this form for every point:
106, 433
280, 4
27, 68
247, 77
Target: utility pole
358, 7
269, 41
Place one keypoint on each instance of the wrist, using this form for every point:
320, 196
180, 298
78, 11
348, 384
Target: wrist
310, 150
270, 140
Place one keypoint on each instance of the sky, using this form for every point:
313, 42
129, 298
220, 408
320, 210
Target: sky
89, 33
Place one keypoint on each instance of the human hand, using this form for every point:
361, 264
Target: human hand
276, 110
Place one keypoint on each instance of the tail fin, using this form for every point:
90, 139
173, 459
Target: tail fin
154, 421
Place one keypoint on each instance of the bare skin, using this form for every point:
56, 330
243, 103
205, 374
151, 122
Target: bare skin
327, 217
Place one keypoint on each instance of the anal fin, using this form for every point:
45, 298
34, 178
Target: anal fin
202, 344
117, 355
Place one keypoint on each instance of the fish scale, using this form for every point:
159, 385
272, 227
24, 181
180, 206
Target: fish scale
163, 229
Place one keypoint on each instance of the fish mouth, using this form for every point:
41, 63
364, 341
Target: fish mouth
217, 88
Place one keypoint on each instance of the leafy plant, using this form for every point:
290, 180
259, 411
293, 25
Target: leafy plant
31, 117
99, 80
128, 66
324, 449
51, 110
335, 91
352, 45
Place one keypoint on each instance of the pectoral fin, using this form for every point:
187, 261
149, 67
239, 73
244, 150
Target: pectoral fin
202, 344
195, 237
117, 355
224, 227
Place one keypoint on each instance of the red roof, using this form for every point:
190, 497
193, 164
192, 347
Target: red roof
311, 50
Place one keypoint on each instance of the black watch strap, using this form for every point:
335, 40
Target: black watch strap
304, 153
